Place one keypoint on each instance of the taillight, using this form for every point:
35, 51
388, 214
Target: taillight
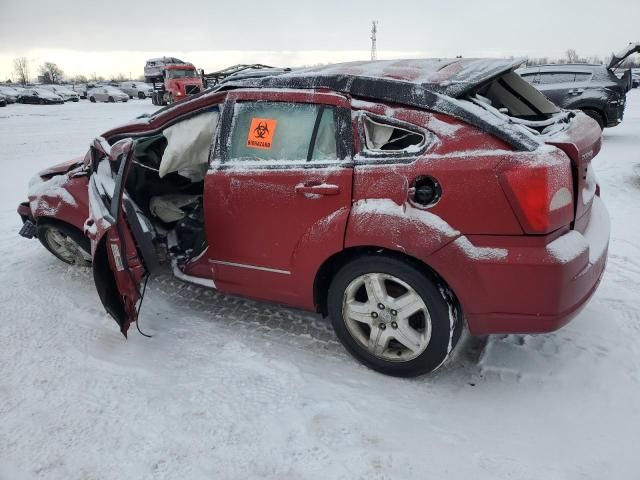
540, 191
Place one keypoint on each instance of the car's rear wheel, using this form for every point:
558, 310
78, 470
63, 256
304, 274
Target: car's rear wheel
111, 100
597, 116
92, 99
65, 242
141, 95
392, 316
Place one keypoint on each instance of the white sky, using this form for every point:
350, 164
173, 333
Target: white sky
118, 36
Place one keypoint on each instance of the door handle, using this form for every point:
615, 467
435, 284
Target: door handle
321, 189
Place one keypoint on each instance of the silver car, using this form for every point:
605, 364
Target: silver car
107, 94
137, 89
66, 93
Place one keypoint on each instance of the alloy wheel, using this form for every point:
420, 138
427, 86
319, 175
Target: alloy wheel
65, 247
387, 317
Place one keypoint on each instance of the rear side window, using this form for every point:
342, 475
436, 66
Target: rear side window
381, 137
273, 131
557, 77
583, 77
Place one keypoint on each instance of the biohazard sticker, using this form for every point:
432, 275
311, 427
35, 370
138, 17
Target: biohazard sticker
261, 132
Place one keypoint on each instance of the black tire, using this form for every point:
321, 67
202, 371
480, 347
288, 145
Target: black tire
597, 116
68, 231
435, 295
141, 95
92, 99
111, 100
41, 102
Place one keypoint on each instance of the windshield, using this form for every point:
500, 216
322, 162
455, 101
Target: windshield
181, 73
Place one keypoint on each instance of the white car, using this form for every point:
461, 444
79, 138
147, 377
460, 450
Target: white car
107, 94
136, 89
10, 93
66, 93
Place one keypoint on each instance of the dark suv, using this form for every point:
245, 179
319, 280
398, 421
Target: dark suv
594, 89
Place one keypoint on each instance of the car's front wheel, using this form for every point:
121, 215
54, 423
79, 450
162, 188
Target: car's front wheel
141, 95
66, 242
92, 99
393, 316
111, 100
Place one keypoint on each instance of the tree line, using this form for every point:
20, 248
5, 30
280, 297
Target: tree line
51, 73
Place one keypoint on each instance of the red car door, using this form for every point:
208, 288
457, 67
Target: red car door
121, 237
278, 195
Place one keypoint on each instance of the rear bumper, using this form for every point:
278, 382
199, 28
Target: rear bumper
532, 289
615, 113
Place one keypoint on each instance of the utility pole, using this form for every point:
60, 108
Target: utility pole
374, 47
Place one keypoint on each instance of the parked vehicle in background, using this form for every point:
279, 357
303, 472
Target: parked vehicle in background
80, 88
137, 89
107, 93
635, 77
174, 82
10, 93
594, 89
3, 100
40, 96
398, 197
67, 94
155, 66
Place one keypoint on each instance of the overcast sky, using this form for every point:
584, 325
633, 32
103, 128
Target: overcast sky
118, 36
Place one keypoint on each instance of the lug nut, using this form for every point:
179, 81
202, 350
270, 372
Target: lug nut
382, 326
374, 314
381, 306
394, 312
394, 325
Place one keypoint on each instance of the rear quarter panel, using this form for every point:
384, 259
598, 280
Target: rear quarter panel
461, 158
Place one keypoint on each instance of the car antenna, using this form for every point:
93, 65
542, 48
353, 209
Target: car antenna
144, 289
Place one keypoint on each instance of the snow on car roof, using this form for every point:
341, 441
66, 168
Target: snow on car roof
451, 77
439, 85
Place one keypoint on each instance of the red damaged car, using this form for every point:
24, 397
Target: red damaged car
400, 198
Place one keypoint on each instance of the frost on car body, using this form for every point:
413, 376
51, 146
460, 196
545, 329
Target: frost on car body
398, 197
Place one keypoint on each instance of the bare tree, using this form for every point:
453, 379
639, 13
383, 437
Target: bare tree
21, 69
51, 73
121, 77
572, 56
78, 79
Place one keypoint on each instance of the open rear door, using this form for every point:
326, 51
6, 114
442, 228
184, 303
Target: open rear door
121, 237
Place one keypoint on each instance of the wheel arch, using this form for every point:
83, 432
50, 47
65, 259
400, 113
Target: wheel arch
331, 265
45, 220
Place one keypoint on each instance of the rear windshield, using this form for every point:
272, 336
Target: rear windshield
513, 97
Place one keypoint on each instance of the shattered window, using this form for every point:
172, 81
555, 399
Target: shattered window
390, 138
283, 131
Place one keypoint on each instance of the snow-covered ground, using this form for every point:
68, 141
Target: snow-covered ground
233, 389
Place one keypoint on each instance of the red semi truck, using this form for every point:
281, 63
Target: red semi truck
172, 80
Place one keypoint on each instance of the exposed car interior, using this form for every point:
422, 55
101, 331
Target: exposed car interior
166, 181
514, 97
389, 138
